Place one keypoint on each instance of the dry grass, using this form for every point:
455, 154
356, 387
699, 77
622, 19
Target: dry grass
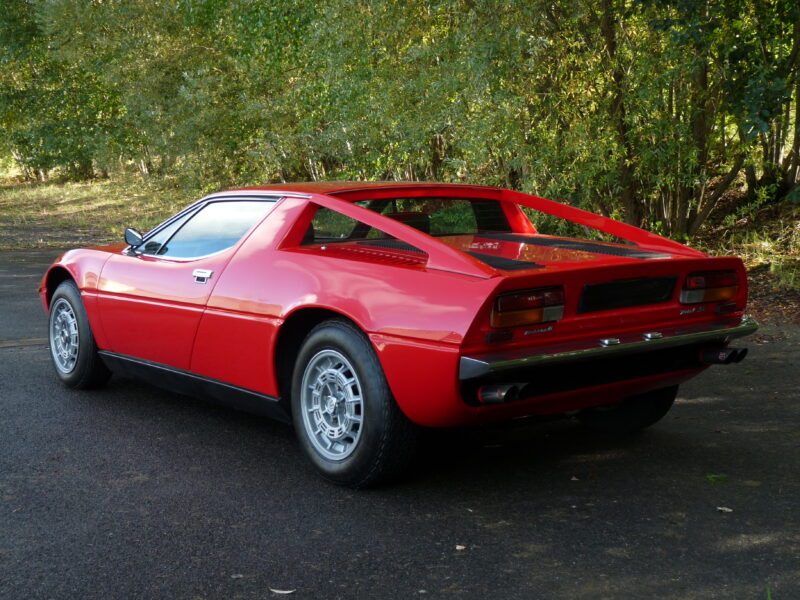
56, 215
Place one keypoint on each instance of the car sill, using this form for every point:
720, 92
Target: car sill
191, 384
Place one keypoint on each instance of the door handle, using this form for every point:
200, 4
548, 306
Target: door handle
202, 275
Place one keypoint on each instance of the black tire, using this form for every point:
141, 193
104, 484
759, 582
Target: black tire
344, 414
72, 346
632, 414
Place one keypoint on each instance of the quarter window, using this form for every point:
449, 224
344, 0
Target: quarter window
215, 227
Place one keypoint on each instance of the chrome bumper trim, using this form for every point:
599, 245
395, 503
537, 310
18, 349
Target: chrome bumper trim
721, 331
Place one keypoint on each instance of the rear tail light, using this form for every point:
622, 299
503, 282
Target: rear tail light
527, 307
710, 286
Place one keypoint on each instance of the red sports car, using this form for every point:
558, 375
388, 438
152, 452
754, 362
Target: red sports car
364, 312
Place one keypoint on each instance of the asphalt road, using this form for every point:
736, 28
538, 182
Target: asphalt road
132, 492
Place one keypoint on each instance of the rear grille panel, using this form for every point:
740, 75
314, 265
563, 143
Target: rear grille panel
626, 293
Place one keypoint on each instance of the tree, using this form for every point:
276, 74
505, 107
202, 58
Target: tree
54, 113
646, 110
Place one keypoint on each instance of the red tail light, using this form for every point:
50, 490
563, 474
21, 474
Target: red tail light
710, 286
527, 307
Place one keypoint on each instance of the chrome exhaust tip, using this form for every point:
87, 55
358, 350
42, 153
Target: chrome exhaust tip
497, 394
722, 356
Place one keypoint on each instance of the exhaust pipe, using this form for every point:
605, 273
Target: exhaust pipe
722, 356
497, 394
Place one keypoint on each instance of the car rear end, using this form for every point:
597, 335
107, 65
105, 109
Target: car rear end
577, 334
563, 322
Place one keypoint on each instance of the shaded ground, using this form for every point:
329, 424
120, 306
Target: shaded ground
770, 303
131, 492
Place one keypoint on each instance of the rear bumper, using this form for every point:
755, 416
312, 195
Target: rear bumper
715, 332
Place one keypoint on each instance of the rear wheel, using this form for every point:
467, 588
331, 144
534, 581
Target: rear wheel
344, 414
72, 345
632, 414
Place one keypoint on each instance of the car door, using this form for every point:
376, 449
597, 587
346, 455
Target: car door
151, 298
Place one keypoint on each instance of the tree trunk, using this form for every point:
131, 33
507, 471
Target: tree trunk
794, 165
751, 178
437, 147
700, 109
626, 176
83, 169
704, 211
27, 172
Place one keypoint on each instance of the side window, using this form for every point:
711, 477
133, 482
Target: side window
154, 244
215, 227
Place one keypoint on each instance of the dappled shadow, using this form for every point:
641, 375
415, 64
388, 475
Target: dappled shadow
521, 510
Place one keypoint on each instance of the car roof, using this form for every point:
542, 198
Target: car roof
332, 187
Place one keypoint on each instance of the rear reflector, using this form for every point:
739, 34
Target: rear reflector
710, 286
527, 307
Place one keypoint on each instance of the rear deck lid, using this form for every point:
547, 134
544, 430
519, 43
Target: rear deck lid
519, 252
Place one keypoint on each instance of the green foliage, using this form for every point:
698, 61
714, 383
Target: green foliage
54, 113
646, 110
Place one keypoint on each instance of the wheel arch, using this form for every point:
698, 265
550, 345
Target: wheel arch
291, 335
55, 277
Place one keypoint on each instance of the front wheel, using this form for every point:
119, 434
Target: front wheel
632, 414
72, 345
344, 414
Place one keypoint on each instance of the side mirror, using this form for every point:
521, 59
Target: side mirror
133, 238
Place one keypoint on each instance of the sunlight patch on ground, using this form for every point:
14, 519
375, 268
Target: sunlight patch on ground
705, 400
748, 541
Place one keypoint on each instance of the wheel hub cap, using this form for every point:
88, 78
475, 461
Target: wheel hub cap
332, 404
64, 340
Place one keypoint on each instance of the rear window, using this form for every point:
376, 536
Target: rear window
434, 216
443, 216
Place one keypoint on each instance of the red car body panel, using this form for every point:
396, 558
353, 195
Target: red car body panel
422, 312
141, 298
